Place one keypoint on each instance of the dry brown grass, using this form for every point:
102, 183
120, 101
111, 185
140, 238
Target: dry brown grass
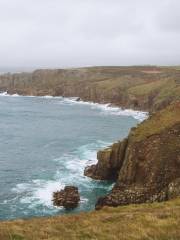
157, 221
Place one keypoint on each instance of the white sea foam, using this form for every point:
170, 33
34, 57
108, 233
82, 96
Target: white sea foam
39, 191
82, 156
109, 109
5, 94
104, 108
45, 190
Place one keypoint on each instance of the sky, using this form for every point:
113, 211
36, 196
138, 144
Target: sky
77, 33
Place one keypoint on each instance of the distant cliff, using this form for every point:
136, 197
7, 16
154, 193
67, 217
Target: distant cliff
143, 88
146, 165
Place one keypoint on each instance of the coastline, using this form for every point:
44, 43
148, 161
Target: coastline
150, 137
107, 107
40, 187
143, 88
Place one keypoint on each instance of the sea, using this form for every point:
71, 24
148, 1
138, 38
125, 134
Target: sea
45, 144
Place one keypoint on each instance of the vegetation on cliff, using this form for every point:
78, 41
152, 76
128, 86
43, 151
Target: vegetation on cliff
141, 222
146, 165
144, 88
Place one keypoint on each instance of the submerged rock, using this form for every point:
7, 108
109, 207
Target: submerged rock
68, 197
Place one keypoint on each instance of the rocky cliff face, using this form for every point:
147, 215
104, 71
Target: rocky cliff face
143, 88
146, 165
110, 160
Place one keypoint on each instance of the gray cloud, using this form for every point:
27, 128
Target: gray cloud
66, 33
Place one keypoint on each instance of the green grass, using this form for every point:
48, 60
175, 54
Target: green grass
158, 221
158, 122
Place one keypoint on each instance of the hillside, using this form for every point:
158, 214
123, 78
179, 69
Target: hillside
134, 222
144, 88
146, 165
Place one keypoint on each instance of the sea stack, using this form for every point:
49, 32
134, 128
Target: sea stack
68, 197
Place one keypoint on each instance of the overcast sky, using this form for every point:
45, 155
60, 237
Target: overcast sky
72, 33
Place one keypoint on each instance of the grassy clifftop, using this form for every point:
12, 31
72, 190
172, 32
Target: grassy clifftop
146, 164
163, 119
144, 88
158, 221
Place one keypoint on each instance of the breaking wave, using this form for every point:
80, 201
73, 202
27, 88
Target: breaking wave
104, 108
70, 168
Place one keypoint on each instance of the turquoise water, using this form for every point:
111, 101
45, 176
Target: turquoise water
46, 143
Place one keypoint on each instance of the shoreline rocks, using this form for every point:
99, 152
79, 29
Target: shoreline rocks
109, 163
146, 166
68, 197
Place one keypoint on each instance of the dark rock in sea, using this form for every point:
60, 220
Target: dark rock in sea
78, 99
68, 197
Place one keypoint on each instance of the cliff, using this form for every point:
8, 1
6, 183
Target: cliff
146, 165
144, 88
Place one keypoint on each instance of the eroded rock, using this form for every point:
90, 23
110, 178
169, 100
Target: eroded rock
68, 197
109, 163
149, 168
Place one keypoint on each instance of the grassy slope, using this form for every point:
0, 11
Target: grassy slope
157, 122
158, 221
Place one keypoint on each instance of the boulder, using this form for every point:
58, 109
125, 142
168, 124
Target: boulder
68, 197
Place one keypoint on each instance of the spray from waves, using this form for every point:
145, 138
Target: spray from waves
109, 109
69, 171
37, 192
104, 108
5, 94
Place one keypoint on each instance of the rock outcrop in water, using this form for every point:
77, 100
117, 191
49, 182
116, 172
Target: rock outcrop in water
146, 166
110, 161
68, 197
